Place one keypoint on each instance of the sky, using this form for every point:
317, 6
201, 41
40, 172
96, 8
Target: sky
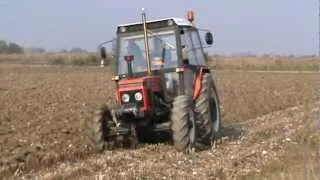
256, 26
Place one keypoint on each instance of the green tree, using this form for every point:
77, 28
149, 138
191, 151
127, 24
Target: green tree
14, 48
3, 47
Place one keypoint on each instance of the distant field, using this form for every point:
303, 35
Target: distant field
51, 59
264, 63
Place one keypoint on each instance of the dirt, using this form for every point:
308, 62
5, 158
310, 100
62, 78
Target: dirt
43, 108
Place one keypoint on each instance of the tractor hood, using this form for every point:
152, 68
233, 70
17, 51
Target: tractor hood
144, 85
146, 82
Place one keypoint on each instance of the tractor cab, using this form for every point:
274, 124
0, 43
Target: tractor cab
172, 42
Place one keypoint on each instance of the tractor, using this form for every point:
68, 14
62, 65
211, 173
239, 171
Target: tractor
163, 84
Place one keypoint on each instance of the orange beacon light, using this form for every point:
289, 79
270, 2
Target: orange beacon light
190, 16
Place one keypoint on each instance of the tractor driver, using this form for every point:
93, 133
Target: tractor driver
134, 49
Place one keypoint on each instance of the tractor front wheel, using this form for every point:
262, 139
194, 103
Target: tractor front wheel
98, 128
183, 126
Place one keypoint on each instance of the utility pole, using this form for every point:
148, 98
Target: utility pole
319, 44
318, 28
146, 41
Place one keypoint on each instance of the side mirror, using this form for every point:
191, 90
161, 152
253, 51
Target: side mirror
103, 53
208, 38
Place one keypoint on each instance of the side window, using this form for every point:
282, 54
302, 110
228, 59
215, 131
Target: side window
192, 43
200, 59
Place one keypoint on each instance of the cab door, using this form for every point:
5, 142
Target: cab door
193, 56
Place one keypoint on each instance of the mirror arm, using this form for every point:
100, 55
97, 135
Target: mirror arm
106, 42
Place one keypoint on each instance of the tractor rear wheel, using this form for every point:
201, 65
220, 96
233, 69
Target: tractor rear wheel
183, 127
207, 112
98, 128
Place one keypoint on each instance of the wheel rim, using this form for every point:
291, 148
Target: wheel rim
215, 112
192, 133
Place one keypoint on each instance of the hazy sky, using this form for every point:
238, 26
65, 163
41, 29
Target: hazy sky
268, 26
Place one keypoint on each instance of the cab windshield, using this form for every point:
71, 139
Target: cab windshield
163, 52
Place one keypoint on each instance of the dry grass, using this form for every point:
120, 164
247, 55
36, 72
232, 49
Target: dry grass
218, 62
266, 63
300, 160
247, 95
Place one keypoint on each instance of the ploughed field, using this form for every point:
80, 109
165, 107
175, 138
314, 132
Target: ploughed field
43, 108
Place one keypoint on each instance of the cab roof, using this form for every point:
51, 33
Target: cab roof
177, 21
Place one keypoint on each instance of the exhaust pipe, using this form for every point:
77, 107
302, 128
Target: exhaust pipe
146, 42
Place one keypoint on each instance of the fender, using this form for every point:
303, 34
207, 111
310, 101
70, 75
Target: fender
197, 85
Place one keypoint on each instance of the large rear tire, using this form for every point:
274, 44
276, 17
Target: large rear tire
183, 127
207, 112
98, 128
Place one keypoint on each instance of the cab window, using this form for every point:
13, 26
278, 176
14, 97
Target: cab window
191, 45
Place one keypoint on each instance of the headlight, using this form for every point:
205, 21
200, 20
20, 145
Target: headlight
138, 96
125, 97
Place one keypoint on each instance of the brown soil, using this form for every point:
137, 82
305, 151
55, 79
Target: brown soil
43, 108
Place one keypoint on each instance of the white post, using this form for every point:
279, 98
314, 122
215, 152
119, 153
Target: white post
102, 63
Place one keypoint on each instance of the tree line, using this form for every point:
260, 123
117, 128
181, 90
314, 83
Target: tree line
10, 48
14, 48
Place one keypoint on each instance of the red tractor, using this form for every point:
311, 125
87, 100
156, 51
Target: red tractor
163, 83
